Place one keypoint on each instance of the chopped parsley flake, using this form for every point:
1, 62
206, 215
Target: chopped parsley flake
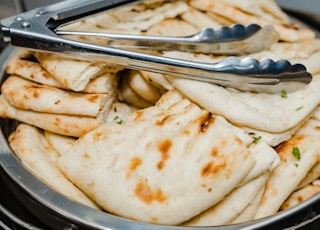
284, 94
296, 153
118, 120
299, 108
256, 139
296, 165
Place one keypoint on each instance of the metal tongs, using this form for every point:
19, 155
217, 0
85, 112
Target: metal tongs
39, 29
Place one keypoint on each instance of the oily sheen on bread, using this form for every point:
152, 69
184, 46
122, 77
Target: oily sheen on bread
186, 160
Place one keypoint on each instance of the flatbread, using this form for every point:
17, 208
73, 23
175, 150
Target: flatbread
26, 94
58, 142
279, 187
301, 195
312, 175
130, 96
139, 83
199, 19
73, 74
35, 153
172, 27
267, 10
143, 16
236, 15
158, 176
63, 124
252, 109
248, 213
23, 65
231, 206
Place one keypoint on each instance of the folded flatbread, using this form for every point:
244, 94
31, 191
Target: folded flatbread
183, 163
36, 154
73, 74
228, 10
231, 206
252, 110
24, 65
68, 125
301, 195
298, 156
26, 94
60, 143
248, 213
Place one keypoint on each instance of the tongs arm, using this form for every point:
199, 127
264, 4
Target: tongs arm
37, 33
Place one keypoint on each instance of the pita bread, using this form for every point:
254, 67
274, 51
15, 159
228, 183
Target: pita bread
248, 213
264, 9
266, 158
312, 175
199, 19
253, 109
138, 82
279, 187
130, 96
236, 15
35, 153
166, 146
172, 27
231, 206
143, 16
301, 195
63, 124
73, 74
59, 143
23, 65
26, 94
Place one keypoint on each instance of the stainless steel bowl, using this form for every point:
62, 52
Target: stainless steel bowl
58, 212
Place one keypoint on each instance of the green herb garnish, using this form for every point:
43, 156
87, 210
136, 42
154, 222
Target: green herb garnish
296, 153
299, 108
118, 120
256, 139
284, 94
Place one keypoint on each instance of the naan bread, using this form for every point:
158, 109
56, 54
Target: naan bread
231, 206
248, 213
73, 74
312, 175
58, 142
236, 15
199, 19
172, 27
29, 144
63, 124
139, 83
142, 16
301, 195
129, 96
252, 110
23, 64
183, 163
29, 95
293, 168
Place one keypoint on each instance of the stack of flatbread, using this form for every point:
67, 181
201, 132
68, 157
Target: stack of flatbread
166, 150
